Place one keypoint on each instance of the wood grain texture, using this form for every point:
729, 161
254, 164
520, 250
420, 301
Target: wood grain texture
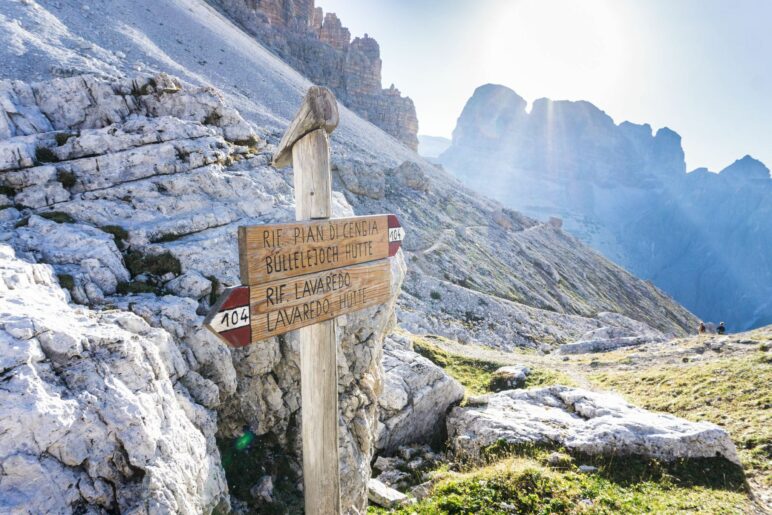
319, 110
313, 188
288, 304
277, 251
318, 347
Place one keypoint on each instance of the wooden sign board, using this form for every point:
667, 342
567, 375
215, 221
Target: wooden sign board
248, 314
278, 251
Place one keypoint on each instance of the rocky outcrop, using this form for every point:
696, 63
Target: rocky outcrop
96, 412
584, 422
623, 333
623, 188
132, 191
320, 47
415, 399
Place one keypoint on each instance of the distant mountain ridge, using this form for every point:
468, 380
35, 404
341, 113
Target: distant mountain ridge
704, 238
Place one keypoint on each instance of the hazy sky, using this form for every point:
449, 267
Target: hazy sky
701, 67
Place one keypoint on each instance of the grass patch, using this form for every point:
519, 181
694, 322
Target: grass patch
477, 375
166, 238
526, 485
7, 191
474, 374
135, 287
246, 459
734, 393
66, 281
159, 264
435, 295
45, 155
24, 222
62, 137
215, 286
119, 234
68, 179
59, 217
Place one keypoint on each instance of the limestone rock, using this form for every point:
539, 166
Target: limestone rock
411, 175
157, 177
624, 333
384, 496
91, 415
416, 396
320, 47
509, 377
582, 421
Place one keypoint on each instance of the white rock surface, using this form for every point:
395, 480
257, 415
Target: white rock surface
415, 399
91, 415
509, 377
583, 421
385, 496
160, 174
620, 332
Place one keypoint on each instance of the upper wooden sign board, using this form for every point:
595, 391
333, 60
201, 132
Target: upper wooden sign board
279, 251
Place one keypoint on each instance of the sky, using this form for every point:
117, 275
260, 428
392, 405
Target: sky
700, 67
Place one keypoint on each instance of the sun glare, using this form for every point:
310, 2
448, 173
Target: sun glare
555, 48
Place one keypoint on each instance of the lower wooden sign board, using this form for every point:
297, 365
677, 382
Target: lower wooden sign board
248, 314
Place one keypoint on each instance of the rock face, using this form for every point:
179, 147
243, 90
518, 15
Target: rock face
96, 414
415, 399
320, 47
582, 421
132, 191
702, 237
619, 333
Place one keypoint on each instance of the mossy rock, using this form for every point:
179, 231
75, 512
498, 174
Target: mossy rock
139, 263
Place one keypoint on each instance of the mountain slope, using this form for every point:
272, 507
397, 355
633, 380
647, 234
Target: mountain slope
486, 249
704, 238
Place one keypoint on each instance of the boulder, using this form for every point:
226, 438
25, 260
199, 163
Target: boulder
619, 332
509, 377
92, 413
416, 396
411, 175
384, 496
582, 421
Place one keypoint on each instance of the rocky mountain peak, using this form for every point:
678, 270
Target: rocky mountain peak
746, 168
319, 46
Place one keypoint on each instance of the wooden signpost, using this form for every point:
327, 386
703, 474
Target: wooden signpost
300, 276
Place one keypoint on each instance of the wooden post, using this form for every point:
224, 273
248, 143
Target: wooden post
307, 143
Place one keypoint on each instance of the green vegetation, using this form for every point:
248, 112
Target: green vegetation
159, 264
7, 191
246, 459
68, 179
119, 234
45, 155
66, 281
62, 137
126, 288
24, 222
166, 238
215, 286
734, 393
435, 295
526, 484
59, 217
476, 375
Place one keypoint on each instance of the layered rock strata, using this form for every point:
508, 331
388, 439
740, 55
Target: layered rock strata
320, 47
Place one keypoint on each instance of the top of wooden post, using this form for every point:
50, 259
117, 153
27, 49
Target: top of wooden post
318, 111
